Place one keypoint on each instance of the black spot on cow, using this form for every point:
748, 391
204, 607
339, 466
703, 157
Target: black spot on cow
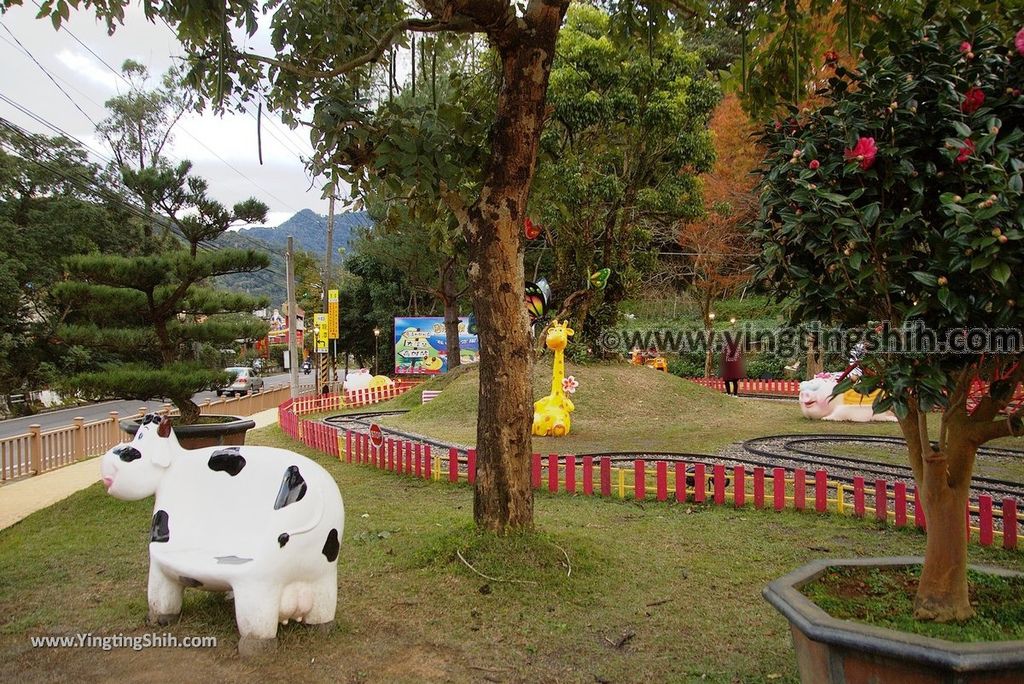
128, 453
160, 531
189, 581
227, 460
151, 418
331, 546
283, 538
293, 488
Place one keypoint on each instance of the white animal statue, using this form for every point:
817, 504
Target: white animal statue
817, 403
363, 379
263, 523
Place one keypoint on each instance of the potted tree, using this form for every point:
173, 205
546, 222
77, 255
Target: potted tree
145, 314
900, 200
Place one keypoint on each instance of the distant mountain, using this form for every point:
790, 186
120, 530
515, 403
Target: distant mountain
310, 231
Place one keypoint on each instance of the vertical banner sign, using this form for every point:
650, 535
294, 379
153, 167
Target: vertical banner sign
320, 322
332, 314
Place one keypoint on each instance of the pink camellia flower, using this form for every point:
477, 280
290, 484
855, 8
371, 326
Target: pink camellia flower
814, 164
1019, 42
570, 384
965, 152
864, 152
965, 46
973, 100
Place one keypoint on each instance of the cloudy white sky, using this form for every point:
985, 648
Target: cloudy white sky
222, 149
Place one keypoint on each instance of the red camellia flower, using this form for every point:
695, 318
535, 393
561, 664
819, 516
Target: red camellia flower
831, 57
973, 100
965, 152
1019, 42
531, 230
864, 152
814, 165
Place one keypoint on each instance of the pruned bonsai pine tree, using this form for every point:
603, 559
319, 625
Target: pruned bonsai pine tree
900, 200
145, 313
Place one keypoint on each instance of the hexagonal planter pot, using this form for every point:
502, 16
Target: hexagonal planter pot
846, 652
230, 432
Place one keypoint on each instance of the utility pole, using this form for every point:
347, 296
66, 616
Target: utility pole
327, 277
293, 352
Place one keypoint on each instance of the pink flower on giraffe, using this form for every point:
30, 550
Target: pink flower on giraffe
570, 384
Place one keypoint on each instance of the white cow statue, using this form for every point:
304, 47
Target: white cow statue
817, 403
263, 523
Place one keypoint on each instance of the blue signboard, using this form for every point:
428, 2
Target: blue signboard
421, 347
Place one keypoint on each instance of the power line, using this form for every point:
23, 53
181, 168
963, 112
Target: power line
52, 79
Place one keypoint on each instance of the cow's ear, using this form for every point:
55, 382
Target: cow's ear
164, 430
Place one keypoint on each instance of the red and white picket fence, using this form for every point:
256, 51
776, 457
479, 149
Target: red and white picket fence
316, 403
987, 521
783, 388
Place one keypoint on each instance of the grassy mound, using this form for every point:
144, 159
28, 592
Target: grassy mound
624, 407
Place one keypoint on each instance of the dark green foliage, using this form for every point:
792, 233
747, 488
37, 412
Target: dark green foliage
151, 315
932, 230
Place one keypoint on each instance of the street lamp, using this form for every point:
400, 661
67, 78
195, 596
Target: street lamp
376, 350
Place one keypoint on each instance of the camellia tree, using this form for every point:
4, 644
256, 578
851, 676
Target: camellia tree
900, 200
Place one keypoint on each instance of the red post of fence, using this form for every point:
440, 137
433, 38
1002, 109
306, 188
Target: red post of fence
719, 481
639, 486
739, 486
389, 447
471, 457
570, 474
366, 448
661, 478
348, 446
418, 458
758, 487
985, 519
699, 484
606, 476
779, 488
820, 490
881, 501
680, 481
588, 475
919, 512
535, 471
359, 448
799, 489
1009, 523
409, 452
899, 502
552, 473
858, 496
453, 465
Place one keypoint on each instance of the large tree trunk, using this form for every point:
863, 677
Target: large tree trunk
503, 498
944, 480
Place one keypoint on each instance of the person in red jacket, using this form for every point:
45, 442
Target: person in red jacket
732, 364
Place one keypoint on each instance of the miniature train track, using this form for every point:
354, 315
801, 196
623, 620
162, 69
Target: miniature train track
784, 451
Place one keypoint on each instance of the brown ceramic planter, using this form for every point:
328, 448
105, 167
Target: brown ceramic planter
208, 434
846, 652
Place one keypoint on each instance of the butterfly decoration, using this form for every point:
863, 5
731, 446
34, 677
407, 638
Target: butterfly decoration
570, 384
599, 279
531, 231
471, 326
538, 296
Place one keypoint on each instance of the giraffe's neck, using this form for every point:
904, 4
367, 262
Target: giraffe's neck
558, 373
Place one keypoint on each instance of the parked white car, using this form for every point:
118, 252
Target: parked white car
245, 381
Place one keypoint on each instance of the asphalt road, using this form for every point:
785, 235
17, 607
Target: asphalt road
53, 419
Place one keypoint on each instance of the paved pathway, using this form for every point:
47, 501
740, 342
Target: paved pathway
21, 498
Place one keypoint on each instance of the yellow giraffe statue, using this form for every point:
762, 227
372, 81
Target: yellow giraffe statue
551, 413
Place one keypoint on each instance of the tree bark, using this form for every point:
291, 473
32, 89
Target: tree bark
942, 594
450, 299
503, 499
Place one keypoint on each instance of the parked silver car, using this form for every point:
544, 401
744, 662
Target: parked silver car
245, 381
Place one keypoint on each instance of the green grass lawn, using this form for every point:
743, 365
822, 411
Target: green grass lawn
658, 592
